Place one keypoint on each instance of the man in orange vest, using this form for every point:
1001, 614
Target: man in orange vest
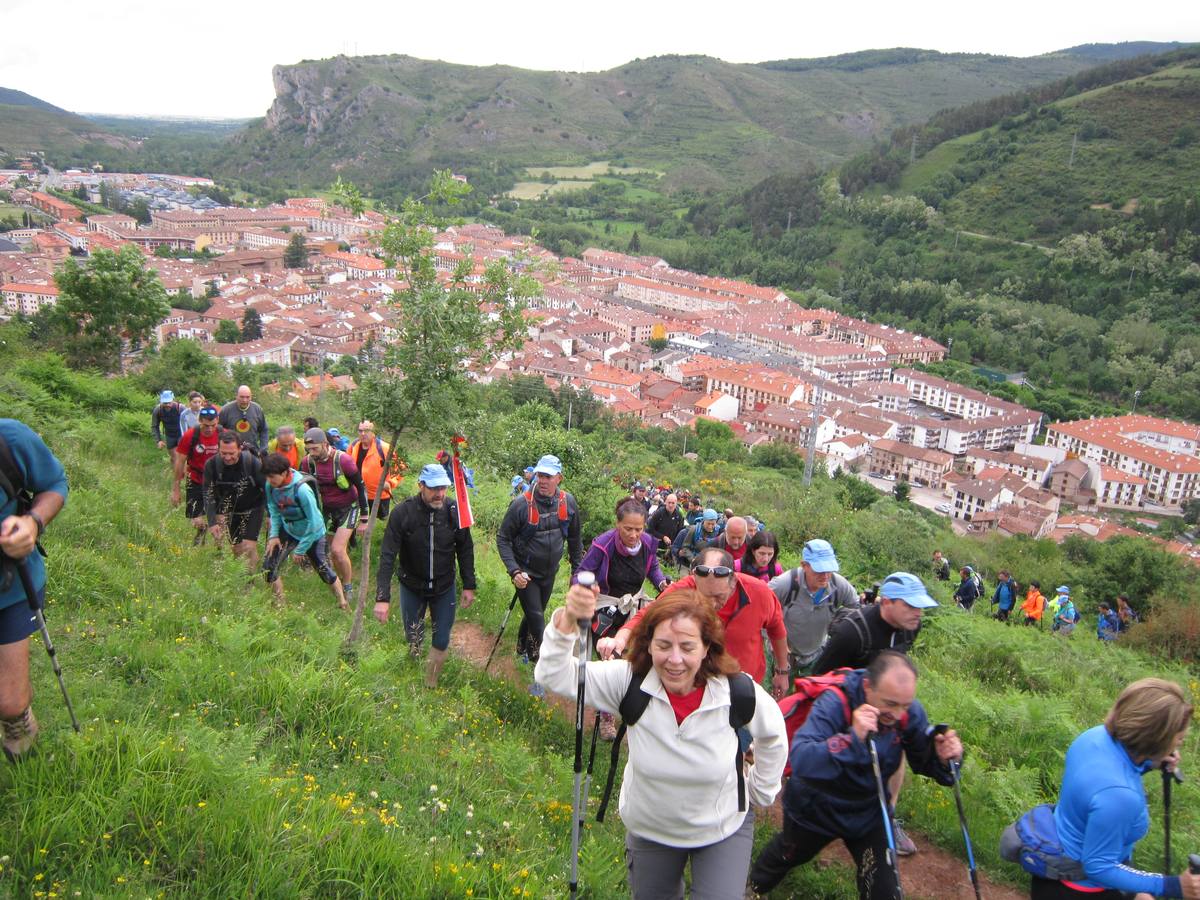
369, 453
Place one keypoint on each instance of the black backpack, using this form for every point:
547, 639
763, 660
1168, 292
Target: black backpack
839, 614
634, 703
12, 483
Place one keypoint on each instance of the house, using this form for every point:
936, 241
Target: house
916, 464
717, 405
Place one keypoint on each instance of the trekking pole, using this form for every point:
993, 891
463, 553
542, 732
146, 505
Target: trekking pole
503, 625
1168, 777
887, 815
956, 771
35, 605
1194, 863
585, 579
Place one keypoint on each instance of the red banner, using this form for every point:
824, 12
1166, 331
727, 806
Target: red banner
465, 517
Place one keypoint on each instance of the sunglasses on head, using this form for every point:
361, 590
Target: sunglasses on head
718, 571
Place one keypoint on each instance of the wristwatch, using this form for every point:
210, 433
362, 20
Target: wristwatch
41, 525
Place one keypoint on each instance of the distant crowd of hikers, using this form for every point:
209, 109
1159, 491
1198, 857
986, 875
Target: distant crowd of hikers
738, 682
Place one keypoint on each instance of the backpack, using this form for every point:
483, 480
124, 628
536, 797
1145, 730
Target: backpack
339, 479
839, 615
796, 707
533, 516
1032, 842
12, 482
634, 703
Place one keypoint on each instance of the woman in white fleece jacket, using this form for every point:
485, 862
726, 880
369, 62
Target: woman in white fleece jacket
679, 793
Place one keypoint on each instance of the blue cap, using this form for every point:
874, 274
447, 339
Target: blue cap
166, 396
906, 587
434, 475
1063, 589
529, 470
548, 465
333, 432
710, 515
819, 556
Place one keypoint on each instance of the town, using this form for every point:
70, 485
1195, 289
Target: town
662, 346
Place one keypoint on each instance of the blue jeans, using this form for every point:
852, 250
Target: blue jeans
441, 607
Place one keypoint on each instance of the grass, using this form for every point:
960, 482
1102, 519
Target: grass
534, 190
591, 170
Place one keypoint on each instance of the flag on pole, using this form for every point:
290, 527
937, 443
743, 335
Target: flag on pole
465, 517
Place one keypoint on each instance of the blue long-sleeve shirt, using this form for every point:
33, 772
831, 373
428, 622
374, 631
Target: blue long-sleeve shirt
1005, 595
1101, 814
294, 509
40, 471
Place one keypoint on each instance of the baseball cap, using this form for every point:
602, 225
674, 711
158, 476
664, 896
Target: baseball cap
548, 465
1063, 589
166, 396
529, 470
906, 587
434, 475
710, 515
208, 412
820, 556
315, 436
333, 432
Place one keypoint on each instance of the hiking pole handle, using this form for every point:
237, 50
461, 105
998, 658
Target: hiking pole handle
1175, 774
1194, 863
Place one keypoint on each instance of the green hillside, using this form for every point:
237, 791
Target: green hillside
705, 121
232, 749
62, 136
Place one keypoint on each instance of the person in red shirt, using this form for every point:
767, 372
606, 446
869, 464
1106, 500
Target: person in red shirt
745, 605
195, 448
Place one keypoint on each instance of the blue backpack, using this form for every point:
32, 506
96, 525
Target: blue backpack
1032, 842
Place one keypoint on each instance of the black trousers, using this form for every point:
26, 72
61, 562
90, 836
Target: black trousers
534, 597
796, 845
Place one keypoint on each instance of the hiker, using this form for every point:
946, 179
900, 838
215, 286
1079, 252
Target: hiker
297, 527
520, 483
692, 539
832, 793
369, 453
733, 538
753, 526
343, 498
666, 522
164, 421
537, 527
811, 595
1107, 624
1005, 594
891, 624
247, 418
1065, 616
33, 488
1102, 813
1034, 605
423, 542
1126, 613
744, 604
680, 799
695, 512
189, 416
235, 497
284, 443
762, 557
968, 590
195, 448
941, 566
639, 494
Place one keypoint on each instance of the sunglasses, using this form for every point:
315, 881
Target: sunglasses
718, 571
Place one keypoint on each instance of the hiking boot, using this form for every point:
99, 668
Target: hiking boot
904, 844
433, 669
608, 727
19, 734
537, 690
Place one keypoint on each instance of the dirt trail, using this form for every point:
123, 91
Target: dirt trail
932, 874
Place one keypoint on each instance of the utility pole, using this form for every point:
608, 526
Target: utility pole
570, 412
1136, 395
810, 459
789, 224
1074, 144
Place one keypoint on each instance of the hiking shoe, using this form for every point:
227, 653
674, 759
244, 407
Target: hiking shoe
19, 733
537, 690
608, 727
904, 844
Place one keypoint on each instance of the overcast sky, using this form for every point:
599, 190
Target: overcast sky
164, 57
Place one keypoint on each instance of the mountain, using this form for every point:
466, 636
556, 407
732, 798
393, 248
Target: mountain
11, 97
705, 122
28, 124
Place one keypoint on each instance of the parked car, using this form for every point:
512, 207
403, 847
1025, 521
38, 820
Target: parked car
943, 508
889, 477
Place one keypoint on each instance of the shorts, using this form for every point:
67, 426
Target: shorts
273, 562
245, 526
18, 622
385, 506
344, 517
193, 506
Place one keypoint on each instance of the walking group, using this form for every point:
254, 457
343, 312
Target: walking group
740, 682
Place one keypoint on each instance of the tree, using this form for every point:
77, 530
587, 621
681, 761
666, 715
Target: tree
252, 328
296, 254
900, 491
228, 332
112, 299
421, 383
635, 243
183, 365
140, 210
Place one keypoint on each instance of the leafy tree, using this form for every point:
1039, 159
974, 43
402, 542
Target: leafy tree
1191, 512
140, 210
227, 332
421, 382
112, 299
901, 491
81, 192
296, 254
658, 344
635, 243
182, 366
252, 326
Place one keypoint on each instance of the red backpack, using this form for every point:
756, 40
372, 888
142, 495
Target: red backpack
796, 707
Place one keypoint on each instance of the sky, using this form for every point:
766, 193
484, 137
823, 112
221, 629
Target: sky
214, 59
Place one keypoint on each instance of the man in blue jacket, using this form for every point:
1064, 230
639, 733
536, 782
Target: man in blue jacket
1005, 595
832, 794
28, 472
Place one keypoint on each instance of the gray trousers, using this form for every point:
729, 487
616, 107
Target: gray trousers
655, 871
